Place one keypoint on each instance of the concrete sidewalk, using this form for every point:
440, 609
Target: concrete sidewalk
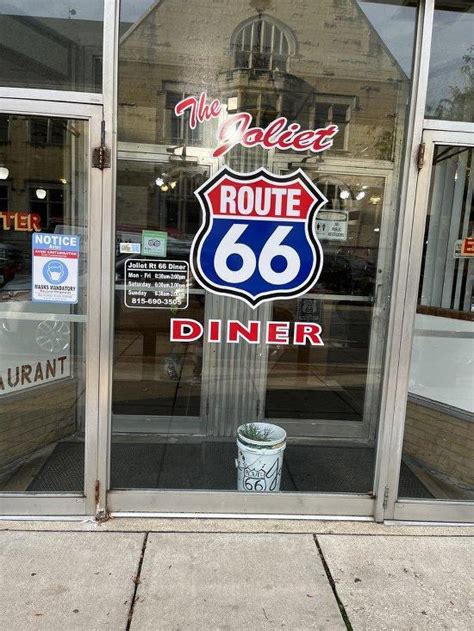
225, 574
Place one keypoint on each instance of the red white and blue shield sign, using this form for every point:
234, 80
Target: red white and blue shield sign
257, 241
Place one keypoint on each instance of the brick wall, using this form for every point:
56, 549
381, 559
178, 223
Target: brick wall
440, 442
33, 419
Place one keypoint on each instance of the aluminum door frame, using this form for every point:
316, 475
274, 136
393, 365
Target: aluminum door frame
40, 504
205, 503
435, 133
170, 502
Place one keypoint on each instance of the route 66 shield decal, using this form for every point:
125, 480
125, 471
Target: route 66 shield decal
257, 241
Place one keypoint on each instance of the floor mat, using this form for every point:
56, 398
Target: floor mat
211, 466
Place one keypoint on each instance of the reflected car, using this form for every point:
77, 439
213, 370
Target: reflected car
347, 273
22, 336
13, 254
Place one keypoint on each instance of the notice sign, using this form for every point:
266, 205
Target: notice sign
156, 284
332, 225
55, 262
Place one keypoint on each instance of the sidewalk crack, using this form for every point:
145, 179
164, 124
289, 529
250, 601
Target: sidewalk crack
136, 580
330, 578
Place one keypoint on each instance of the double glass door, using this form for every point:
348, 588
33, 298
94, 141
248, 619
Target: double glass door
68, 366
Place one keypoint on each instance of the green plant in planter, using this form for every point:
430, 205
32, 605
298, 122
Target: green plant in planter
252, 432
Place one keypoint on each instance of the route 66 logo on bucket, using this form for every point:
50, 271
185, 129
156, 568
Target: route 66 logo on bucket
258, 241
259, 462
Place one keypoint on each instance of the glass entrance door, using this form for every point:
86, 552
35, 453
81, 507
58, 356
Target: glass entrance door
438, 441
168, 393
177, 401
334, 394
157, 384
50, 209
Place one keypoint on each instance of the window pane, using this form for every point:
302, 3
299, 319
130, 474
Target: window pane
176, 407
39, 131
57, 132
4, 127
451, 78
43, 306
55, 45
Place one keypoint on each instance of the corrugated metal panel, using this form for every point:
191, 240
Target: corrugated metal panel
236, 372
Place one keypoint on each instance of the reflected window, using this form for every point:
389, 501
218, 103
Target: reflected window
262, 44
177, 129
47, 201
3, 196
4, 128
47, 131
335, 110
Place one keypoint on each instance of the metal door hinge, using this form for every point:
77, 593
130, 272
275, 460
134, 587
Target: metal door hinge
101, 158
385, 497
420, 158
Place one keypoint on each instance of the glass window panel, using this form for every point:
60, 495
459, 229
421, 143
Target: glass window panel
55, 45
257, 34
42, 344
176, 407
4, 128
267, 37
242, 59
39, 130
57, 132
173, 98
322, 114
451, 76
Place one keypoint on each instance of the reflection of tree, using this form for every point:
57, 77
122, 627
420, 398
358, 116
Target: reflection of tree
460, 105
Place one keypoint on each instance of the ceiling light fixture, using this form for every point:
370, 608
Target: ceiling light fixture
40, 193
4, 173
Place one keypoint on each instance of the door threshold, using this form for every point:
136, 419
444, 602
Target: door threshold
246, 516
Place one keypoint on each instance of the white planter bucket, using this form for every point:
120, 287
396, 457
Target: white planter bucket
259, 463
